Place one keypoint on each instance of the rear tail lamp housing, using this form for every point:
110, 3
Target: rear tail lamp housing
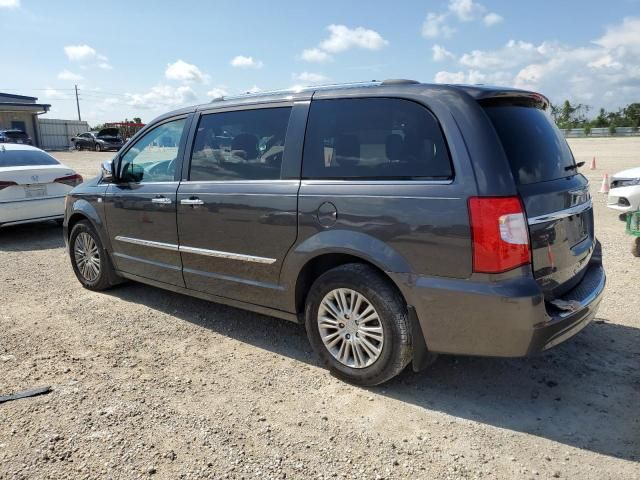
499, 233
5, 184
71, 180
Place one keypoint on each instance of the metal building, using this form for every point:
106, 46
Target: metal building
56, 134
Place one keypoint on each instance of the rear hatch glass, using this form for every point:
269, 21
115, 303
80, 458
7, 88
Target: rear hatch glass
536, 149
555, 196
25, 158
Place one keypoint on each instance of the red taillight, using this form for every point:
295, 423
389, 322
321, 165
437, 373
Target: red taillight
71, 180
499, 234
4, 184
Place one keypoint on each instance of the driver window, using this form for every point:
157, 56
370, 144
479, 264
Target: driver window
153, 158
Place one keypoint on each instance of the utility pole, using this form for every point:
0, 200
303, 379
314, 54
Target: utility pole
78, 104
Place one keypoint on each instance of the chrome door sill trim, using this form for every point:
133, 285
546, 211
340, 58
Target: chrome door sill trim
196, 251
228, 255
148, 243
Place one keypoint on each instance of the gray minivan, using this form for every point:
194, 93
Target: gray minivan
396, 220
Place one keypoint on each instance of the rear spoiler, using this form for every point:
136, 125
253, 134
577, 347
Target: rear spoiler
514, 97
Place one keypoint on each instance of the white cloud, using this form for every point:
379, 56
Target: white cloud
512, 54
254, 89
491, 19
162, 96
9, 3
105, 66
626, 35
70, 76
605, 61
53, 93
610, 63
217, 92
449, 77
435, 26
185, 72
441, 53
465, 10
342, 38
309, 78
241, 61
77, 53
315, 55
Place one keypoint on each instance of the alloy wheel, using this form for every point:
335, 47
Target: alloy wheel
350, 328
87, 256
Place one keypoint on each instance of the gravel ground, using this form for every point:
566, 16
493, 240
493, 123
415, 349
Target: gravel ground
151, 383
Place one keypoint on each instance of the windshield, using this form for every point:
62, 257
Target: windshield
14, 133
535, 147
25, 158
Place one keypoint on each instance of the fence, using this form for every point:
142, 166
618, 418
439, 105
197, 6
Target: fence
56, 134
601, 132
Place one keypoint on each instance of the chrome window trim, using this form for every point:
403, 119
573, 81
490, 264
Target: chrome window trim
551, 217
197, 251
375, 182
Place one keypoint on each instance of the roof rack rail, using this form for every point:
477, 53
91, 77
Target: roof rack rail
327, 86
399, 81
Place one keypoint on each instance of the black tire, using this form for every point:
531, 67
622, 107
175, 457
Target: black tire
78, 147
106, 278
635, 248
396, 351
98, 148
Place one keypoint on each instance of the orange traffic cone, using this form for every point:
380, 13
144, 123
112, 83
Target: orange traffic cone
593, 163
605, 184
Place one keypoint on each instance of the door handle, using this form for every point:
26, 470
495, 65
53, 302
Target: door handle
191, 201
161, 200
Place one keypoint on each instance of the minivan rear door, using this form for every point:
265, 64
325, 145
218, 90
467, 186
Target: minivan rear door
556, 197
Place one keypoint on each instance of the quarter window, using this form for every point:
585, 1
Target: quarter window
374, 138
154, 157
240, 145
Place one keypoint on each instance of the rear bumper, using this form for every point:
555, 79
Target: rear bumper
35, 209
500, 318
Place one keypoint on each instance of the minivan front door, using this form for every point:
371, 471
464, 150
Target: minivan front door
140, 207
237, 211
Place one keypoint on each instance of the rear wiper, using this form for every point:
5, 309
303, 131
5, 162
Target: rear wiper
574, 167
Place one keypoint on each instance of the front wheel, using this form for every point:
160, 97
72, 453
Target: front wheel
98, 147
89, 259
635, 248
357, 323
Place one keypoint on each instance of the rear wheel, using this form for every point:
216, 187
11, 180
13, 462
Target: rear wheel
635, 248
89, 259
358, 324
98, 147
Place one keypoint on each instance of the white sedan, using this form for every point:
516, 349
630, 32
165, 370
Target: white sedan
33, 185
624, 191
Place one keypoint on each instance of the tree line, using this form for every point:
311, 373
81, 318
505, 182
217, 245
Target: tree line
577, 116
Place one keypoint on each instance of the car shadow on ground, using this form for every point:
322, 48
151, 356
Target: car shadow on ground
30, 237
584, 393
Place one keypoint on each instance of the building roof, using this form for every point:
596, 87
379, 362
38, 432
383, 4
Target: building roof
18, 97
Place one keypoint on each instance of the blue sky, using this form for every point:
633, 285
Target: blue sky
141, 58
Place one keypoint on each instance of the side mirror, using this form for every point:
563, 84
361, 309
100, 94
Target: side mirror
107, 171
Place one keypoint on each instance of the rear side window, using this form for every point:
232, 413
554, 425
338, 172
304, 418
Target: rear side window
241, 145
374, 138
535, 147
25, 158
